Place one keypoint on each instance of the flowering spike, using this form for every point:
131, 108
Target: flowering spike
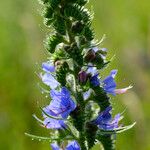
95, 81
73, 76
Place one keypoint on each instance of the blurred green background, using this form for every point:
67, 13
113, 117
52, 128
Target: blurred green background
127, 26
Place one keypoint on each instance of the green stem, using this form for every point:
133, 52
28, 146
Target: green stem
108, 142
78, 114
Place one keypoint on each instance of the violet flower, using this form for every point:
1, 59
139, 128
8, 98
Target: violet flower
49, 80
61, 104
73, 146
47, 77
109, 83
105, 120
95, 81
51, 123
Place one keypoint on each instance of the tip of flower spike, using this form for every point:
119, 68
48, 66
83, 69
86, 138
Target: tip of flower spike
122, 91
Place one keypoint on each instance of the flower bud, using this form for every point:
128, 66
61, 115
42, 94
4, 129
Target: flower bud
82, 77
90, 56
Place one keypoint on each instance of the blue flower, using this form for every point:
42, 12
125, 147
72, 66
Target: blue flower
61, 104
48, 67
109, 84
49, 80
47, 77
71, 146
51, 123
95, 81
105, 120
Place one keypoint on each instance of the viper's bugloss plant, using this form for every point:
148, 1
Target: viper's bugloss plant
79, 113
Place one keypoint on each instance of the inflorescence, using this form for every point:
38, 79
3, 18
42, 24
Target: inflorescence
80, 112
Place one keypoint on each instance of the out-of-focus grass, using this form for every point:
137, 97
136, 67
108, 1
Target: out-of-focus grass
127, 26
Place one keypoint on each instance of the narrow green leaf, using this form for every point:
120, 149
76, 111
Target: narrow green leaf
73, 130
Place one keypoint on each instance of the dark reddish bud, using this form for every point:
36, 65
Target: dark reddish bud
82, 77
90, 56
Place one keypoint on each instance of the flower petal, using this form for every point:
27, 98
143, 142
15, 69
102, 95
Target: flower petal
73, 146
51, 123
62, 103
49, 80
48, 67
95, 81
109, 83
111, 125
104, 116
113, 73
105, 121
